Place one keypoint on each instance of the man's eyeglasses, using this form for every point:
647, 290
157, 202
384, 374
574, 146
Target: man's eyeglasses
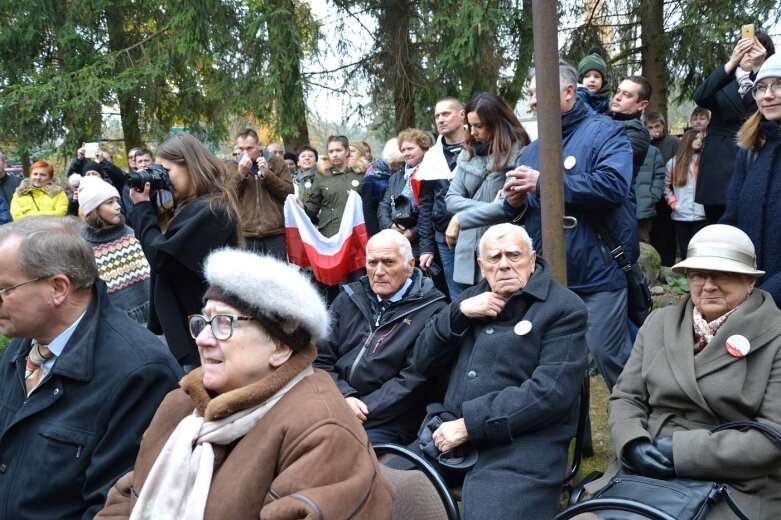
698, 278
3, 291
759, 90
223, 325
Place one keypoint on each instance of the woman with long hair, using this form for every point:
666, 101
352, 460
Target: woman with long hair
754, 196
679, 186
493, 145
727, 94
177, 239
328, 197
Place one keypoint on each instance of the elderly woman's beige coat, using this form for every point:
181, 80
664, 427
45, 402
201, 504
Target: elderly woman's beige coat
665, 390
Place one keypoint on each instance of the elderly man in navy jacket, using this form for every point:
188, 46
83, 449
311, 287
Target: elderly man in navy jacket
80, 382
518, 342
597, 189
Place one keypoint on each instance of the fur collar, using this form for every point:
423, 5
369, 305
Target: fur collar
52, 188
482, 165
214, 407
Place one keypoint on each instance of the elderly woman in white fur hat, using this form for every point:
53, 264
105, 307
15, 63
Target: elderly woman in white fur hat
255, 432
714, 357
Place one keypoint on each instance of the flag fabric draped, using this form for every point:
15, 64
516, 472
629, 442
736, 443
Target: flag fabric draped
331, 258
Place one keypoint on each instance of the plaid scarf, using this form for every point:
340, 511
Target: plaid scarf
704, 330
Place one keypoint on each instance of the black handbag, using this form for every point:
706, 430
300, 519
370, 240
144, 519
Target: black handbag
680, 498
403, 211
638, 294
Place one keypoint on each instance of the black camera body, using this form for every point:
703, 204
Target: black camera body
154, 174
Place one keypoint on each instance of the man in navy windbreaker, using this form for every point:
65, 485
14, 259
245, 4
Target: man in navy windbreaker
597, 186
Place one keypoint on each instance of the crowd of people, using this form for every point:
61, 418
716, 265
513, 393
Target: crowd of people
453, 339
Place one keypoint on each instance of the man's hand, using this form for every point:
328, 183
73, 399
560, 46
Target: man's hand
245, 165
450, 435
485, 305
425, 260
451, 233
359, 408
80, 152
263, 168
522, 179
140, 196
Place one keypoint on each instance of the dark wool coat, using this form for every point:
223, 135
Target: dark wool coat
8, 184
754, 205
176, 260
729, 110
371, 358
63, 448
666, 390
308, 457
518, 394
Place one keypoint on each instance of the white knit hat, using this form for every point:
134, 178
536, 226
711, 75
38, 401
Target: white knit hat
94, 191
279, 297
770, 69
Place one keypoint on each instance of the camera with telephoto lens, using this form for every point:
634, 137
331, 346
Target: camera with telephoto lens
155, 174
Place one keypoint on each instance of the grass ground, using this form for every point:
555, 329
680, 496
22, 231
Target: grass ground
603, 449
3, 343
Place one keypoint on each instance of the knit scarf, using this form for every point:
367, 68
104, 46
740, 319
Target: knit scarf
743, 78
178, 483
705, 330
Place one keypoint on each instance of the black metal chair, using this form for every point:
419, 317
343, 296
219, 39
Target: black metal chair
613, 504
413, 499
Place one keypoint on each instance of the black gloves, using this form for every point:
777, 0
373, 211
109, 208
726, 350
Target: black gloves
642, 457
665, 446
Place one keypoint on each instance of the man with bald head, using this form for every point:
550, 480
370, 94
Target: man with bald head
517, 341
374, 324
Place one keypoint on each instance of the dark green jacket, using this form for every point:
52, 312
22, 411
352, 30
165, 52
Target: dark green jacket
328, 198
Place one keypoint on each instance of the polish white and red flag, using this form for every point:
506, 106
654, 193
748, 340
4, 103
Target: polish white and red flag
331, 258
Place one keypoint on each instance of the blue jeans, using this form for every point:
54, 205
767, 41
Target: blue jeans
447, 256
608, 334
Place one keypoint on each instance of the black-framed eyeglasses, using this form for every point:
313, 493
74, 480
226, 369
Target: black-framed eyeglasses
223, 325
759, 90
3, 291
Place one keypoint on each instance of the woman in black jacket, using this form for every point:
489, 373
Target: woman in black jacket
727, 94
400, 207
203, 216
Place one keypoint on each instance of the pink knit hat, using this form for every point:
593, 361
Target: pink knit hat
94, 191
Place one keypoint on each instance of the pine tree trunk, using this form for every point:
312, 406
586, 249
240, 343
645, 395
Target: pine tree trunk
654, 52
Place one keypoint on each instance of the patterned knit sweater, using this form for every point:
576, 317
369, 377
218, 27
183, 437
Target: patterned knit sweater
124, 268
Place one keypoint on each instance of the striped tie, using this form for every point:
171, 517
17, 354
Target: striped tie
33, 371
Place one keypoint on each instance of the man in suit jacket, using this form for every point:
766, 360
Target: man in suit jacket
80, 382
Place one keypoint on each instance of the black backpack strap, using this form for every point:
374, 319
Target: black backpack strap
616, 249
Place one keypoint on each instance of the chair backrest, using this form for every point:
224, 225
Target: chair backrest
421, 493
416, 496
577, 454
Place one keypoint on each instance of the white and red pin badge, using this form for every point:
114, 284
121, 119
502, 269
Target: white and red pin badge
570, 162
522, 328
738, 346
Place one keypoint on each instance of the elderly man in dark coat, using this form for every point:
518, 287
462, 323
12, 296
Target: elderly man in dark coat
518, 342
80, 382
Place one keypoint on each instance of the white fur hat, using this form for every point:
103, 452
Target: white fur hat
278, 296
94, 191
